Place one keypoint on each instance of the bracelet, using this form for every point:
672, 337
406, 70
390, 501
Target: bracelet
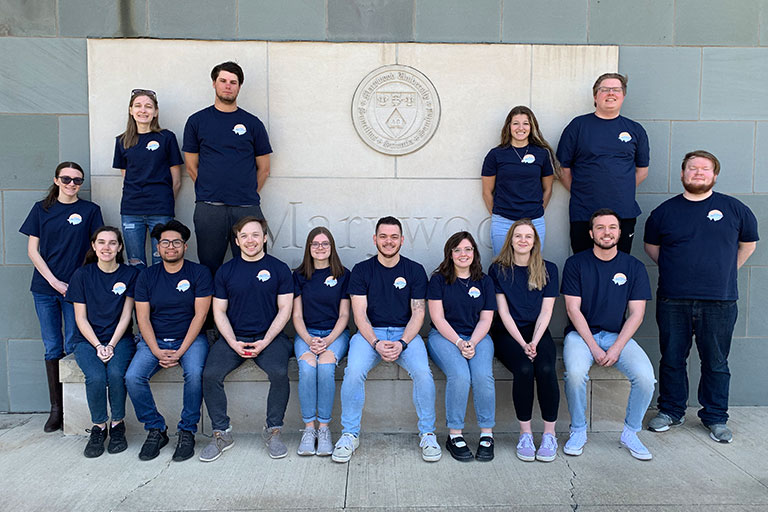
404, 344
375, 342
457, 342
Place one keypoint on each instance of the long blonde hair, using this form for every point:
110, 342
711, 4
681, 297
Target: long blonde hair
537, 270
130, 137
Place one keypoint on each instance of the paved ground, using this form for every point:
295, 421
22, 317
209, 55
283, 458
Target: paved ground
689, 472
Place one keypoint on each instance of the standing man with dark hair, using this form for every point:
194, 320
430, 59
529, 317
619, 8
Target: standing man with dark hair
699, 239
605, 294
226, 151
172, 301
252, 304
388, 293
604, 157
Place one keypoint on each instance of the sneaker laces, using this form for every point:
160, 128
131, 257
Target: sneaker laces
185, 438
154, 436
526, 441
633, 442
324, 433
428, 440
548, 442
309, 435
345, 441
97, 436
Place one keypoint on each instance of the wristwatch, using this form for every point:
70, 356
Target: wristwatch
404, 344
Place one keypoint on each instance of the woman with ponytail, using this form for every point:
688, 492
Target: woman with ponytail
102, 294
59, 228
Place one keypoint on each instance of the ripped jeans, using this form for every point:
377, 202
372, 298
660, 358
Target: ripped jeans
135, 230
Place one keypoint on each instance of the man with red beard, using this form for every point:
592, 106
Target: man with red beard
699, 239
599, 287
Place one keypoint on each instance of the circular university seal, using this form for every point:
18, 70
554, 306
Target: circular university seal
395, 110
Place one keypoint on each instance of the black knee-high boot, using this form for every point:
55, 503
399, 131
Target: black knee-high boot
55, 420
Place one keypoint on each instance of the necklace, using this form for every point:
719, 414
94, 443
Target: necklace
464, 281
518, 154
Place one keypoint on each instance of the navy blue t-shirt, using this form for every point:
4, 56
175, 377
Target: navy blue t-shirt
320, 297
65, 236
148, 185
605, 288
698, 243
462, 301
389, 290
518, 193
228, 144
104, 297
602, 155
252, 287
524, 304
172, 297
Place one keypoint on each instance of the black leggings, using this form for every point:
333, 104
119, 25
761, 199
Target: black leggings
542, 369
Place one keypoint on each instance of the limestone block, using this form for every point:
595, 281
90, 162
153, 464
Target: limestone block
609, 404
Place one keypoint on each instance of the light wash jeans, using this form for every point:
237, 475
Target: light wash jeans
362, 358
317, 384
633, 363
135, 230
500, 226
460, 373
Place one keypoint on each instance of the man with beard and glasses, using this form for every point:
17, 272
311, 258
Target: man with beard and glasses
172, 301
599, 287
226, 151
388, 293
699, 239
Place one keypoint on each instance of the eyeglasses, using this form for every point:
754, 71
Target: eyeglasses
459, 250
317, 245
615, 90
149, 92
167, 243
69, 179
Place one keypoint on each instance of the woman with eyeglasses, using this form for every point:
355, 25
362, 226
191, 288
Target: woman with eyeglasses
101, 292
526, 289
150, 161
517, 176
320, 317
59, 229
461, 305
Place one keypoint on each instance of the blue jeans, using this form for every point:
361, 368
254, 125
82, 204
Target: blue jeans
712, 322
500, 227
317, 384
633, 363
50, 309
100, 376
135, 229
145, 365
460, 373
362, 358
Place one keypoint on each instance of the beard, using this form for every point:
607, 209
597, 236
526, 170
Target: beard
698, 188
227, 101
610, 245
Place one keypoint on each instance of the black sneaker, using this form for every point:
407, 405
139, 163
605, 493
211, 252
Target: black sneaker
458, 449
485, 449
95, 446
156, 439
117, 442
185, 446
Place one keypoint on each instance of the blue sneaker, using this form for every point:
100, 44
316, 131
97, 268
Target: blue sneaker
575, 444
548, 449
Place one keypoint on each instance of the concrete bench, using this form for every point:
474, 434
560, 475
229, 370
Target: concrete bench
388, 405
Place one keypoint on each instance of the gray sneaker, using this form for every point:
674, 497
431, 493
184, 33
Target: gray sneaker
221, 441
275, 445
663, 421
307, 444
324, 442
720, 433
345, 447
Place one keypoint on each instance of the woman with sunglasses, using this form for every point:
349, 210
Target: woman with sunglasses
461, 305
59, 229
102, 294
517, 176
150, 161
526, 289
320, 317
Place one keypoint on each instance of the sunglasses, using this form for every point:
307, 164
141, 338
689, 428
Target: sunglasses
68, 179
148, 92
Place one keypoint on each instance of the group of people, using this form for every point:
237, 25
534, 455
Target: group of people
210, 317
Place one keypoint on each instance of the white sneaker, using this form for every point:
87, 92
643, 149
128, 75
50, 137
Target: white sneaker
575, 444
430, 449
636, 448
345, 447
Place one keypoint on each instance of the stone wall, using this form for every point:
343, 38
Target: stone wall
696, 69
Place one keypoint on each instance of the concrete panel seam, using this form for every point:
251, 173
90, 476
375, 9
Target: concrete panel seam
701, 75
754, 155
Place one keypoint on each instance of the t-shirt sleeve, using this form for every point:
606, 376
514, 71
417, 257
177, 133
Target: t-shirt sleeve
643, 153
358, 283
261, 145
31, 225
96, 219
345, 284
550, 289
546, 165
748, 229
571, 284
118, 161
285, 279
493, 272
651, 234
641, 285
489, 164
296, 284
141, 290
489, 293
130, 286
434, 289
204, 286
566, 148
190, 142
172, 151
76, 288
220, 285
419, 289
